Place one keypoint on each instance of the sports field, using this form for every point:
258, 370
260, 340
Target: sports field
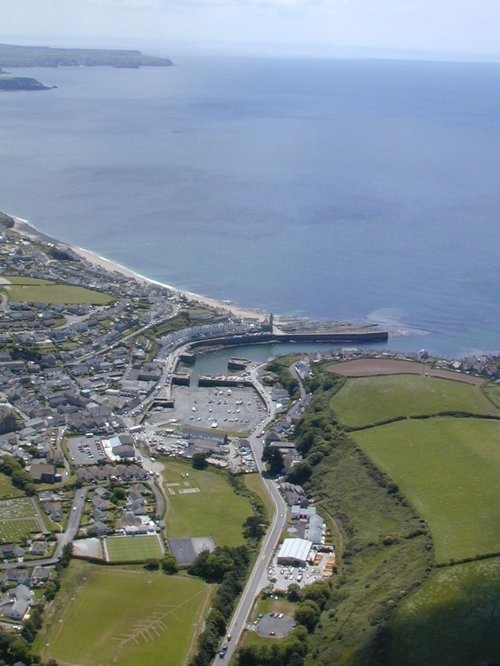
203, 503
452, 619
133, 548
34, 290
364, 401
107, 616
448, 468
18, 519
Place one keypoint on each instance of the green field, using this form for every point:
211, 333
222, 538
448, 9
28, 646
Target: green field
16, 519
34, 290
449, 470
107, 616
133, 548
453, 619
214, 511
492, 391
7, 489
364, 401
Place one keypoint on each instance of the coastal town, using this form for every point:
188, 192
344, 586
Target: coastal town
97, 396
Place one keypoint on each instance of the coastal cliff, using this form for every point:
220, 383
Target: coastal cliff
12, 55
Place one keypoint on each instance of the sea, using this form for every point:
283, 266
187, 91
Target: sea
340, 189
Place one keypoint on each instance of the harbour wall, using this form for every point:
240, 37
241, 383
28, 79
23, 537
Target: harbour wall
357, 337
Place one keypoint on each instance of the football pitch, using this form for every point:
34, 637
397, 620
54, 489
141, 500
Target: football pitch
203, 503
123, 617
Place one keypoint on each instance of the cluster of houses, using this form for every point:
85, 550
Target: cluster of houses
134, 514
68, 364
19, 585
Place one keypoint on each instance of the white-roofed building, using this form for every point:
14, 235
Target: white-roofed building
294, 551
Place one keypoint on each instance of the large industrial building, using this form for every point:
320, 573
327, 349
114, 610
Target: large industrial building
295, 552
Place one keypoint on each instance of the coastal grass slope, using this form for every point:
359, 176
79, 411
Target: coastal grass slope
413, 510
452, 619
449, 469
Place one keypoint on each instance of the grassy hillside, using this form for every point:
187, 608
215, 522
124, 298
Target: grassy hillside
386, 551
390, 599
449, 469
452, 620
364, 401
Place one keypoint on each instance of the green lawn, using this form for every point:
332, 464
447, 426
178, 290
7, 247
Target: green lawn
214, 511
364, 401
449, 469
33, 290
7, 489
452, 620
107, 616
133, 548
16, 519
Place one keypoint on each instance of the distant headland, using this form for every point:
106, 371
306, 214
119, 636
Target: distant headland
12, 55
15, 83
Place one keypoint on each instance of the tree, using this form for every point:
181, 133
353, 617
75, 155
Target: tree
217, 622
307, 614
151, 565
274, 460
294, 593
66, 555
169, 564
51, 588
300, 473
119, 494
199, 461
319, 592
248, 656
253, 528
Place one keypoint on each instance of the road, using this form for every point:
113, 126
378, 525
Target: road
257, 578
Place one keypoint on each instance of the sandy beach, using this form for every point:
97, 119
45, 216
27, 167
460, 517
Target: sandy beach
24, 228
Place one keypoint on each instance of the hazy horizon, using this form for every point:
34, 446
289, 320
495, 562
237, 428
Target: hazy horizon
427, 29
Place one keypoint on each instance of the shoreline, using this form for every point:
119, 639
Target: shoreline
25, 228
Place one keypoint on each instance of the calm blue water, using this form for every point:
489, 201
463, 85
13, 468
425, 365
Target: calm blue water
337, 189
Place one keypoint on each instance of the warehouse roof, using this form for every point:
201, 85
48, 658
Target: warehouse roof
295, 549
